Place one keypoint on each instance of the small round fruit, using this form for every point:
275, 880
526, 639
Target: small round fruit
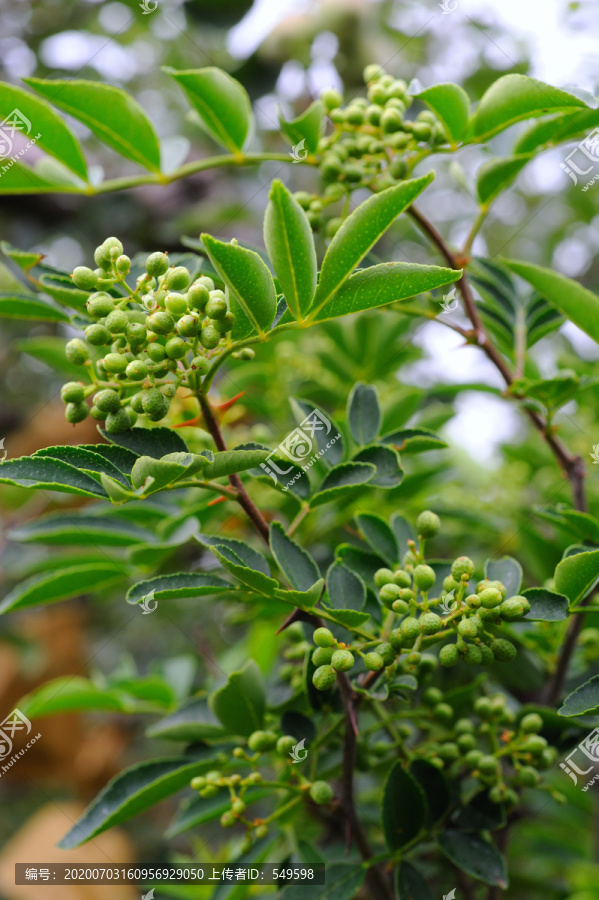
72, 392
136, 403
424, 577
286, 744
410, 629
388, 593
115, 363
473, 655
176, 304
322, 656
198, 296
187, 326
262, 740
152, 401
467, 628
321, 792
531, 723
108, 250
322, 637
387, 653
463, 565
136, 334
177, 279
443, 712
534, 743
117, 422
514, 608
216, 307
400, 607
100, 304
324, 678
383, 576
200, 365
450, 584
466, 742
161, 322
76, 412
473, 758
331, 98
76, 351
156, 352
430, 623
209, 337
84, 278
136, 370
176, 348
342, 660
449, 655
396, 640
157, 264
431, 696
487, 655
373, 661
428, 524
528, 777
490, 597
97, 335
107, 401
117, 321
503, 651
488, 765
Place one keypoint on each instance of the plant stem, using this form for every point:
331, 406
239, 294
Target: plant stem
243, 498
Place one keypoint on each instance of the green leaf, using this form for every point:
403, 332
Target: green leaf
83, 459
21, 179
451, 103
576, 302
414, 440
73, 694
389, 473
383, 284
198, 810
82, 530
435, 787
290, 244
24, 306
583, 701
54, 136
193, 722
583, 525
363, 413
250, 282
306, 127
545, 605
62, 289
409, 883
474, 855
325, 435
244, 553
110, 112
343, 883
359, 233
349, 618
179, 585
345, 588
342, 482
296, 563
497, 174
515, 97
24, 259
166, 471
50, 474
154, 442
50, 350
74, 581
240, 705
135, 790
506, 570
575, 576
221, 102
556, 130
378, 536
480, 813
229, 462
302, 599
404, 808
403, 533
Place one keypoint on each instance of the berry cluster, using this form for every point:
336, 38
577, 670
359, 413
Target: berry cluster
154, 338
373, 144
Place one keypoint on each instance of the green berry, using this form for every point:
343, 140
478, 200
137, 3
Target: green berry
396, 639
467, 628
260, 741
449, 750
373, 661
216, 307
322, 656
161, 322
430, 623
443, 712
428, 523
177, 279
176, 348
414, 658
487, 655
76, 412
388, 593
431, 696
97, 335
157, 264
100, 304
331, 98
176, 304
503, 651
377, 93
483, 707
137, 335
473, 601
76, 351
123, 265
531, 723
136, 403
209, 337
461, 566
488, 765
391, 120
226, 324
97, 414
324, 678
198, 296
424, 577
109, 250
449, 655
342, 660
286, 744
527, 776
488, 615
400, 607
117, 422
322, 637
490, 597
187, 326
382, 577
466, 742
115, 363
153, 403
514, 608
473, 655
156, 352
534, 743
450, 584
200, 365
321, 792
136, 370
84, 278
410, 629
387, 653
72, 392
107, 401
117, 321
333, 226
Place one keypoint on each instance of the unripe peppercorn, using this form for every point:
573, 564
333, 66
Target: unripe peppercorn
136, 403
324, 678
466, 742
117, 321
378, 94
84, 278
107, 401
161, 322
209, 337
322, 656
198, 296
488, 765
490, 598
109, 250
322, 637
286, 744
342, 660
136, 335
391, 120
430, 623
136, 370
156, 352
383, 576
387, 653
100, 304
431, 696
115, 363
331, 98
72, 392
260, 741
152, 402
373, 661
449, 750
157, 264
414, 658
514, 607
400, 607
443, 712
410, 629
424, 577
473, 655
503, 651
531, 723
388, 593
461, 566
76, 351
216, 307
76, 412
354, 115
449, 655
396, 639
488, 615
402, 579
483, 707
372, 72
467, 628
177, 279
428, 523
97, 414
487, 655
472, 759
534, 743
97, 335
528, 777
321, 792
473, 601
176, 348
200, 365
450, 584
117, 422
176, 304
226, 324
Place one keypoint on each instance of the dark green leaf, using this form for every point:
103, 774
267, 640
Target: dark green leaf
296, 563
288, 239
221, 102
349, 618
378, 536
245, 554
409, 883
435, 787
474, 855
82, 459
583, 701
345, 589
451, 103
154, 442
480, 813
545, 605
50, 474
321, 427
179, 585
403, 533
74, 581
341, 482
343, 881
363, 413
404, 808
241, 703
81, 530
389, 473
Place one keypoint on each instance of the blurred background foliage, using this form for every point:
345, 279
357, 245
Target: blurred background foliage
488, 486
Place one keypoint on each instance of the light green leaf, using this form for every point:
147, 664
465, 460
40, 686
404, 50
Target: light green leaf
54, 136
383, 284
24, 306
359, 233
414, 440
296, 563
576, 576
497, 174
250, 282
515, 97
345, 588
583, 701
576, 302
240, 705
70, 694
306, 127
62, 289
165, 471
451, 103
221, 102
50, 474
229, 462
135, 790
179, 585
556, 130
82, 530
363, 413
22, 179
110, 112
63, 584
290, 244
508, 571
24, 259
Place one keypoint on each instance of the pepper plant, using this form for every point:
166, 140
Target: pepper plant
392, 733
